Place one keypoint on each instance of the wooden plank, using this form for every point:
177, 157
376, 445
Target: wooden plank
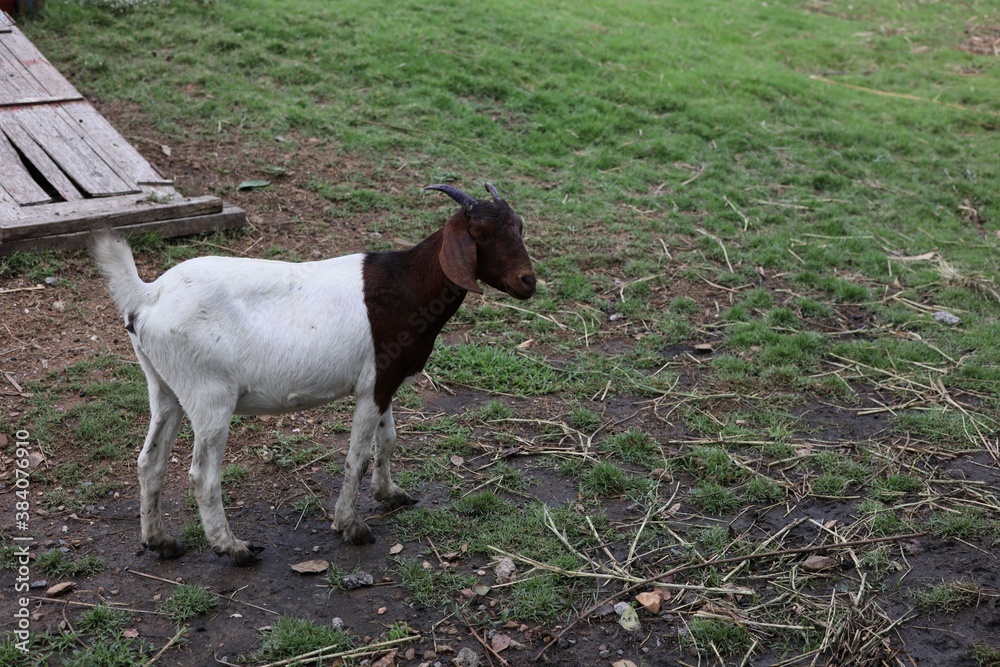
67, 217
9, 209
85, 166
99, 132
6, 22
16, 180
230, 217
49, 170
46, 78
15, 82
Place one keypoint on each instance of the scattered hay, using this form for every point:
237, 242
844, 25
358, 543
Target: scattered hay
983, 40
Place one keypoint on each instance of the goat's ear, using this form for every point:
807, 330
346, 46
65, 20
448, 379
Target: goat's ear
458, 254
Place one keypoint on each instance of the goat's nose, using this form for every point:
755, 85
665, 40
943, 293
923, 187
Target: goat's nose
529, 281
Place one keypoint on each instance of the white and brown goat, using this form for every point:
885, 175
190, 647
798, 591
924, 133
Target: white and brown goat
218, 336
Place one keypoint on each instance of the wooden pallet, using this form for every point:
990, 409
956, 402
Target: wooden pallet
64, 170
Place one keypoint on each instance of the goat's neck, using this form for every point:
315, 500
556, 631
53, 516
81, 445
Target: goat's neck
409, 300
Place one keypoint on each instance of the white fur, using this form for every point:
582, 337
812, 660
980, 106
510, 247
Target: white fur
217, 336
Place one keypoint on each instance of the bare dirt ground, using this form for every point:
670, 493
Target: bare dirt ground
40, 336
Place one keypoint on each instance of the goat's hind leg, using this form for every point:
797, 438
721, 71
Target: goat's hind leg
165, 422
211, 431
383, 488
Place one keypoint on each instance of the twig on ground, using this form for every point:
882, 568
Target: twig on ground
223, 597
371, 649
163, 650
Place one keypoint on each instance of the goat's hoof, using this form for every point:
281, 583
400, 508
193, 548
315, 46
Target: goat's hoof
359, 534
399, 499
246, 557
169, 548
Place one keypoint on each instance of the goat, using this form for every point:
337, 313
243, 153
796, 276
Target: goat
218, 336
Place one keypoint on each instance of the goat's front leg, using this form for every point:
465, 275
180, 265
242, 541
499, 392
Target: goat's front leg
166, 415
366, 417
383, 488
211, 431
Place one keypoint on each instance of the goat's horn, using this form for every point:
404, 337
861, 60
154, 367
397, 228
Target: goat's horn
466, 201
493, 191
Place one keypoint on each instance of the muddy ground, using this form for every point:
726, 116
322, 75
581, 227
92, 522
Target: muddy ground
38, 336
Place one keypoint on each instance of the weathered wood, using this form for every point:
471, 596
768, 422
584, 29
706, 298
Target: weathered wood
99, 132
55, 146
230, 217
15, 82
34, 153
9, 208
37, 70
16, 180
67, 217
87, 167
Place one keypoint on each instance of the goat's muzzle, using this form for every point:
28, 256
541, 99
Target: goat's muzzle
523, 287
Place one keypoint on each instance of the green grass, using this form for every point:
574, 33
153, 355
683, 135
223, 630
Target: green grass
57, 564
429, 586
948, 597
634, 446
187, 601
728, 638
985, 656
290, 636
493, 369
96, 638
700, 184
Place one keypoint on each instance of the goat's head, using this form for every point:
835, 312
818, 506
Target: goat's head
483, 242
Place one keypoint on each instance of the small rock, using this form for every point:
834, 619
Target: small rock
602, 611
944, 317
337, 623
357, 579
621, 607
506, 571
50, 281
466, 658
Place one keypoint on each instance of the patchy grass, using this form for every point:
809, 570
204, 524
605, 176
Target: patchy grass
735, 325
187, 601
948, 597
289, 637
56, 563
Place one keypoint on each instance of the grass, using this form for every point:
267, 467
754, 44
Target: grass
732, 176
188, 601
56, 563
428, 586
97, 637
290, 636
948, 597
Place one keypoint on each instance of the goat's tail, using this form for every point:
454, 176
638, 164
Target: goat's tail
114, 258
